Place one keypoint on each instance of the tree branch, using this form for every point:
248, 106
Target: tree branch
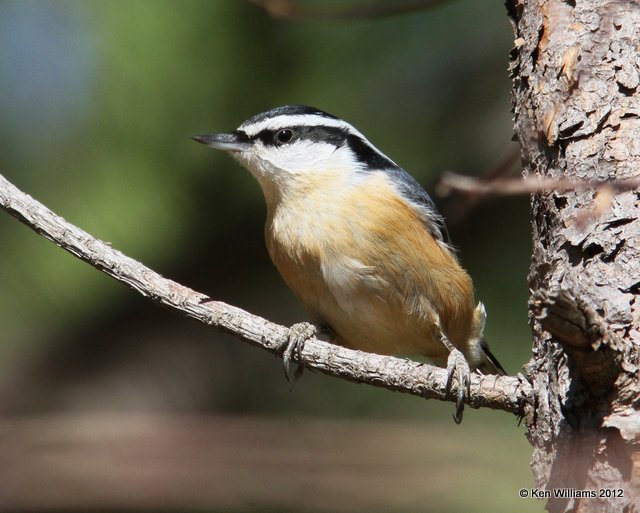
481, 188
509, 393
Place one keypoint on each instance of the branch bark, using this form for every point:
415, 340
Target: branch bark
509, 393
477, 187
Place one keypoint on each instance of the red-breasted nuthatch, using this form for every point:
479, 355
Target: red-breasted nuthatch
360, 243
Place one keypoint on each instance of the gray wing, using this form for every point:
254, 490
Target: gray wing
414, 192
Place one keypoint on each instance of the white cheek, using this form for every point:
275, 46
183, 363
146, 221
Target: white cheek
306, 157
283, 168
297, 158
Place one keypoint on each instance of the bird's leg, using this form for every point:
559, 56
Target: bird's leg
291, 349
457, 364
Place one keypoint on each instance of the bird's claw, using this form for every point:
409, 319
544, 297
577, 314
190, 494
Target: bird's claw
292, 348
457, 364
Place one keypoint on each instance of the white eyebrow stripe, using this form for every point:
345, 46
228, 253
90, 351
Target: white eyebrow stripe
285, 121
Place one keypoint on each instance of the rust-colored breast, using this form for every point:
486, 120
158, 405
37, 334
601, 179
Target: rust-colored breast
360, 259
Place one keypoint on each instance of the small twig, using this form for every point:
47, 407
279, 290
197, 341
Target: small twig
509, 393
293, 10
457, 211
530, 185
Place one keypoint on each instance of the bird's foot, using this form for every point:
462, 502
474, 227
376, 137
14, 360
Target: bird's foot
291, 349
457, 365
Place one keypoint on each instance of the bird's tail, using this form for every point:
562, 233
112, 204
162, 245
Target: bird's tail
488, 363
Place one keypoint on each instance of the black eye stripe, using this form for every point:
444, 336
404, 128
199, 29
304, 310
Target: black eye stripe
331, 135
368, 155
242, 136
336, 136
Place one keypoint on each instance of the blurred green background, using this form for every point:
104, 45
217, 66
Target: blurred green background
97, 101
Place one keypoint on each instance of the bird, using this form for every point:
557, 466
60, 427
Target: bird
360, 243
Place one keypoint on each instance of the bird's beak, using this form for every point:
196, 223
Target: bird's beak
226, 142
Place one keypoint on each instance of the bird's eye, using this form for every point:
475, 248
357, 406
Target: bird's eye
284, 136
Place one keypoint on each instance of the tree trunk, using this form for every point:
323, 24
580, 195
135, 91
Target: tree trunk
575, 71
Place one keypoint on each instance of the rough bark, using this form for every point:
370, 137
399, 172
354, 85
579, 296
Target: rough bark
575, 71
